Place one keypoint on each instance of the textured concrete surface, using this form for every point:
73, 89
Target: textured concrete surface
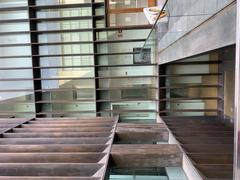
218, 31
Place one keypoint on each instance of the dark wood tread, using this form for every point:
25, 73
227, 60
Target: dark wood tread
51, 157
49, 169
56, 134
193, 74
41, 148
194, 62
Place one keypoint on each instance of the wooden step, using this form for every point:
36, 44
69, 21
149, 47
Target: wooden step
188, 99
70, 122
51, 157
52, 148
67, 125
185, 119
212, 159
208, 148
2, 130
63, 129
49, 169
216, 171
190, 74
93, 140
204, 140
180, 124
175, 125
5, 126
204, 128
82, 119
190, 110
12, 121
184, 63
56, 134
203, 134
8, 124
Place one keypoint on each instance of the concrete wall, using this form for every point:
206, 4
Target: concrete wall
178, 39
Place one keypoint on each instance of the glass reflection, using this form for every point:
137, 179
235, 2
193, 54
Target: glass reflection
66, 49
5, 15
118, 47
53, 2
127, 71
67, 61
126, 34
67, 73
14, 27
127, 82
65, 12
72, 84
14, 39
18, 51
13, 3
63, 25
66, 37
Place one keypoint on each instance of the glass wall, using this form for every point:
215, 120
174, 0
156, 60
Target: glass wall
127, 83
66, 58
16, 85
59, 59
193, 86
